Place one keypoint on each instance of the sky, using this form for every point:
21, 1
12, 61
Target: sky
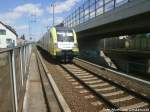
32, 17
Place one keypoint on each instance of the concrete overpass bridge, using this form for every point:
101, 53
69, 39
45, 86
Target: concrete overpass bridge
106, 18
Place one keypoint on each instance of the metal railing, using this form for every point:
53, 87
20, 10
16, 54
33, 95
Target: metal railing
132, 67
14, 65
138, 43
91, 9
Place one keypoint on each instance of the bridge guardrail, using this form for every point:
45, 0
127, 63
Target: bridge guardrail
91, 9
13, 75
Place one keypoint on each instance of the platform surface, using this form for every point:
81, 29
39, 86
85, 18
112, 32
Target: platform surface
35, 100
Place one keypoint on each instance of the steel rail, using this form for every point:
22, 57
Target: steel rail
138, 95
61, 101
101, 97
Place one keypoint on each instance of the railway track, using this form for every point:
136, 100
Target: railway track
110, 94
53, 98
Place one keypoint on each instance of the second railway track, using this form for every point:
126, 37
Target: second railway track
110, 94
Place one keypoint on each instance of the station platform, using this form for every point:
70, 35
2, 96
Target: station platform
34, 98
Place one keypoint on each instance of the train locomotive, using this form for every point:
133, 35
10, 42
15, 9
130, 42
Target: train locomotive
60, 42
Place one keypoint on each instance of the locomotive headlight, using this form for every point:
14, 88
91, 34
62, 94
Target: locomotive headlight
55, 45
75, 48
75, 45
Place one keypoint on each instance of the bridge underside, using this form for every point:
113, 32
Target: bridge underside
132, 18
136, 25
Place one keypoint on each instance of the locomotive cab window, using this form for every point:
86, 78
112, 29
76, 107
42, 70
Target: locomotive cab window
65, 36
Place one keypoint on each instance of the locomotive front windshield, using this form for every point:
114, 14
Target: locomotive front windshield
63, 36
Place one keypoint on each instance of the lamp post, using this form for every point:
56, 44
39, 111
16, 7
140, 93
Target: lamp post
53, 6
